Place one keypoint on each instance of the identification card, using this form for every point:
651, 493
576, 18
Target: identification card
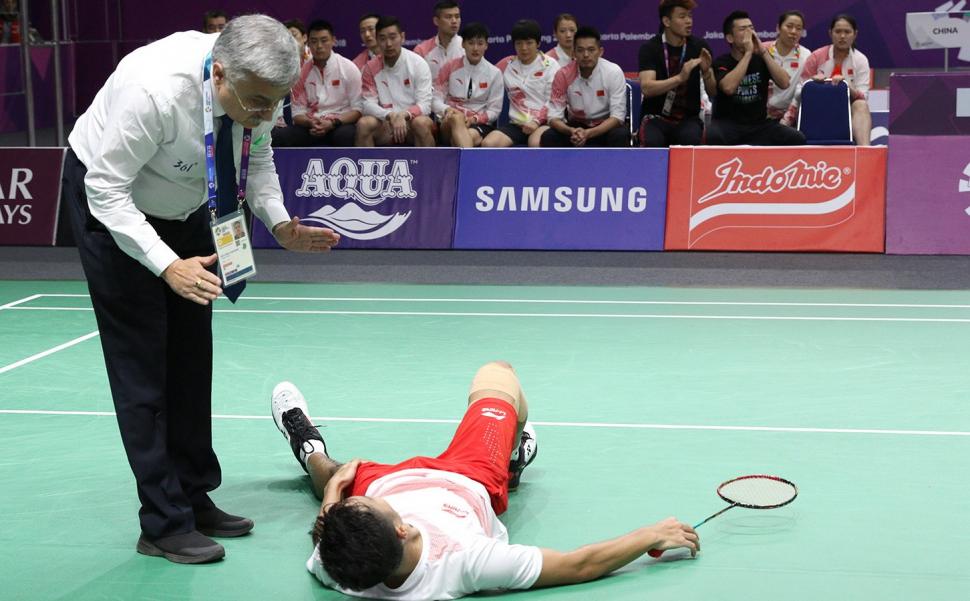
235, 250
669, 102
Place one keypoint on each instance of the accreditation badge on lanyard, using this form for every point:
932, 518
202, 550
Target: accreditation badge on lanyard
672, 94
229, 232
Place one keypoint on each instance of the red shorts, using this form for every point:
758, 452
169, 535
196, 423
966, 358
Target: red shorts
480, 450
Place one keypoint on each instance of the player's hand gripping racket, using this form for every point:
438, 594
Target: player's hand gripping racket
752, 492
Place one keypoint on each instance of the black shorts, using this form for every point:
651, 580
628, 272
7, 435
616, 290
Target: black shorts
515, 133
483, 128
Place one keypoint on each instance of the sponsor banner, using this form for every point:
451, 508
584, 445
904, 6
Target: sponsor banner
30, 194
373, 197
928, 207
562, 199
929, 104
809, 198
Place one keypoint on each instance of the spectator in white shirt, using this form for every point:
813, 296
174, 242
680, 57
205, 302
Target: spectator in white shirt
397, 92
839, 62
428, 527
367, 27
528, 79
564, 30
587, 106
445, 46
788, 52
325, 98
214, 21
468, 92
136, 186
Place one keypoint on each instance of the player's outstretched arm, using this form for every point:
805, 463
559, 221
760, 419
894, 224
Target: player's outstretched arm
593, 561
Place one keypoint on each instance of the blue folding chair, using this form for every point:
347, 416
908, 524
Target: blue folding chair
636, 99
825, 116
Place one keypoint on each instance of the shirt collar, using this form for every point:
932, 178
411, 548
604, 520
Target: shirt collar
217, 110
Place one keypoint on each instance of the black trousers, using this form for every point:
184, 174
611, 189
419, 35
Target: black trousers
158, 353
722, 132
618, 137
660, 133
299, 136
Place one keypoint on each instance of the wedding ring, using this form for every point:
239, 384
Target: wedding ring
198, 284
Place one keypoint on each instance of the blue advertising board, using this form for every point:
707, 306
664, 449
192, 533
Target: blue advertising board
372, 197
562, 199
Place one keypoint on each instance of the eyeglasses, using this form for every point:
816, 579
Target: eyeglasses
248, 109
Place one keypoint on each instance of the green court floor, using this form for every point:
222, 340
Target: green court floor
644, 399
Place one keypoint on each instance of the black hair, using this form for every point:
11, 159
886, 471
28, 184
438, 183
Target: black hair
387, 21
296, 24
366, 16
320, 25
212, 14
564, 17
844, 17
667, 7
586, 32
790, 13
728, 27
474, 30
358, 548
444, 5
526, 29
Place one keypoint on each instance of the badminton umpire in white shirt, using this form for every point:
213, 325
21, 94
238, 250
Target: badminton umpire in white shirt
136, 184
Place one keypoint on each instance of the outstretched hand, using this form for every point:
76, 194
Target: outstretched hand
292, 235
673, 534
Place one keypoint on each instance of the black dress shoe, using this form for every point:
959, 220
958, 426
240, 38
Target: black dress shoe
216, 522
191, 547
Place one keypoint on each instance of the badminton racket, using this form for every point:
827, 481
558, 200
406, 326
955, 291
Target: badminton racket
757, 491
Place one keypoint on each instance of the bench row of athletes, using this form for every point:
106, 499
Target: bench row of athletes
756, 88
401, 97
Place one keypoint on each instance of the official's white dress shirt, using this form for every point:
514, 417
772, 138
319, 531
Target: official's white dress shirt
142, 143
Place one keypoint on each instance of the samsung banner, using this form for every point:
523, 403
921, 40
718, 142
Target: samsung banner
372, 197
30, 190
562, 199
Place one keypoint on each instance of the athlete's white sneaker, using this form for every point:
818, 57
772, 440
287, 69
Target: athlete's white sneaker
291, 415
528, 448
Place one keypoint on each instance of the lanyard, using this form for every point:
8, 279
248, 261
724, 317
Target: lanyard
683, 53
210, 146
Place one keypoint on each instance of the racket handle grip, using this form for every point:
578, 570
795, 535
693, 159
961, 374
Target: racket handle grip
655, 553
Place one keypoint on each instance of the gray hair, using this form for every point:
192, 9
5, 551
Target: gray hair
261, 47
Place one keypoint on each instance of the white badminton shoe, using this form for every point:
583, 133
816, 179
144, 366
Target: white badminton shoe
292, 418
528, 448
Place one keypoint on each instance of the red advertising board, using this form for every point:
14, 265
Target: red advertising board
808, 198
30, 190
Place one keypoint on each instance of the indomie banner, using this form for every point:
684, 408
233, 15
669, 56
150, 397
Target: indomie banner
810, 198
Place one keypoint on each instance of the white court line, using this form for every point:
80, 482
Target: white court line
51, 351
553, 301
391, 420
23, 300
561, 315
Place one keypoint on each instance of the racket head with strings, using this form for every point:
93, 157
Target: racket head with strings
754, 491
758, 491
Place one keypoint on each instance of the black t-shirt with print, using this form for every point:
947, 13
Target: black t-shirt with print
749, 103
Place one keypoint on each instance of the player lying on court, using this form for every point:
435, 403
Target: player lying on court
427, 528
